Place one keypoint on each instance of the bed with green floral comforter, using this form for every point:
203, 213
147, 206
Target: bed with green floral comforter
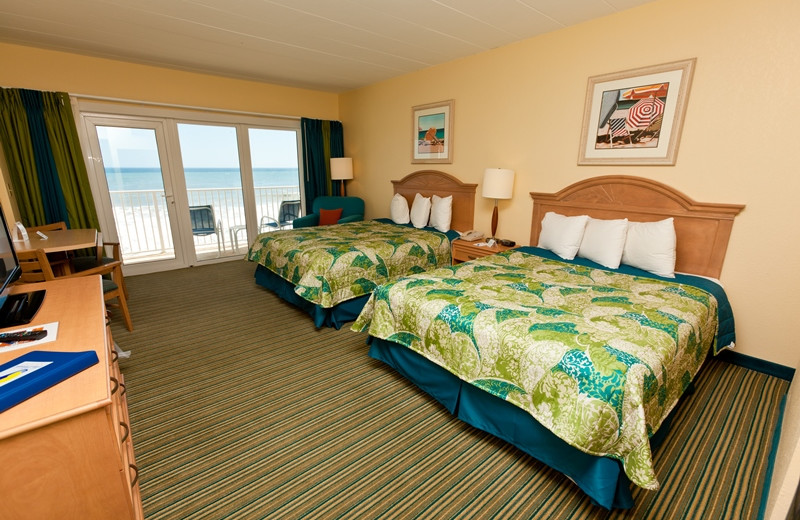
331, 264
597, 357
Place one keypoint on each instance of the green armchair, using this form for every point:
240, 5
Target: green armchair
352, 210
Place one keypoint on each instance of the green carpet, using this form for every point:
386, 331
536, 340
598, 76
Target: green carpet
240, 408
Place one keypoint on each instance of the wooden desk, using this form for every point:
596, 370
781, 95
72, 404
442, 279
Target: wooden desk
67, 452
59, 241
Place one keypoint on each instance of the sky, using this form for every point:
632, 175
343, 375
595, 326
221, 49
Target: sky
202, 146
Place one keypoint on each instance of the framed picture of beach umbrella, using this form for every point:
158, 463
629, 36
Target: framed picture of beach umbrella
432, 132
636, 116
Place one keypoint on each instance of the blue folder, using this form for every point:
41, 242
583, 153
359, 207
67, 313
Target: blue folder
31, 373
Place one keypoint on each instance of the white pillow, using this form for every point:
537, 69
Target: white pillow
420, 211
651, 246
603, 241
561, 234
441, 212
399, 209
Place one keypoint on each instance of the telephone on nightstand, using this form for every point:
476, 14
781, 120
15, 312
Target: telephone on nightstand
471, 235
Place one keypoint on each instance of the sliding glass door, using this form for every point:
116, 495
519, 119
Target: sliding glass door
137, 201
178, 191
213, 180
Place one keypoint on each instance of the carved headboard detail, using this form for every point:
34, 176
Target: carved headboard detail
433, 182
702, 229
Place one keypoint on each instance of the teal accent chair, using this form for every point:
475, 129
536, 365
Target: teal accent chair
352, 210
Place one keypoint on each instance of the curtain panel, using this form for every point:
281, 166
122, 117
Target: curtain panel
45, 163
321, 141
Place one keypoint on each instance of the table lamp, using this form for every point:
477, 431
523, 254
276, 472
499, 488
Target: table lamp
341, 170
498, 183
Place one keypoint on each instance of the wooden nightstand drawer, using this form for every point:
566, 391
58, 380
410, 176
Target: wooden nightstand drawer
464, 251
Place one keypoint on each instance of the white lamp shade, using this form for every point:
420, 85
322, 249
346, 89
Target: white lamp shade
341, 168
498, 183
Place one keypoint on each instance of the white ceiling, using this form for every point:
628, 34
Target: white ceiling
327, 45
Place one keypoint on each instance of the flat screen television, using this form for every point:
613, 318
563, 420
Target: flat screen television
20, 308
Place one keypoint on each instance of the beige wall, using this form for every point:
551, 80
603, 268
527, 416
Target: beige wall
27, 67
521, 107
784, 486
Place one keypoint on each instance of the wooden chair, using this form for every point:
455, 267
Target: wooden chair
105, 253
59, 261
36, 268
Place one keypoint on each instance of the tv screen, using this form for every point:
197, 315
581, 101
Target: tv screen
20, 308
9, 267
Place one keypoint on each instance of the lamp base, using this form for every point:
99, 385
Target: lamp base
494, 219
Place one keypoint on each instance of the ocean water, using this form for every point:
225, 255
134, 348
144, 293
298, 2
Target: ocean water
126, 179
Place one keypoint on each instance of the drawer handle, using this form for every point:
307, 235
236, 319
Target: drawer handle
127, 432
124, 389
114, 355
136, 476
116, 385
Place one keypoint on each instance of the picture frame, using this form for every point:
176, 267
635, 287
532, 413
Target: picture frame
432, 132
635, 117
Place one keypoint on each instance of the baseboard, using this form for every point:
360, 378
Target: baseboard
759, 365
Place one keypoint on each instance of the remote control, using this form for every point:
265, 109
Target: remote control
25, 335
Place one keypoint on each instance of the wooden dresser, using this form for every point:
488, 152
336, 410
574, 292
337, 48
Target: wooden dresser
67, 452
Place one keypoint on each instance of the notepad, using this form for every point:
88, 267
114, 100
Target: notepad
36, 371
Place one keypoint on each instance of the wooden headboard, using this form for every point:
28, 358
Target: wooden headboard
433, 182
702, 229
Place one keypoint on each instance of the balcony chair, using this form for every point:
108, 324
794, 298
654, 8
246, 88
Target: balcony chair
36, 268
352, 210
288, 211
204, 223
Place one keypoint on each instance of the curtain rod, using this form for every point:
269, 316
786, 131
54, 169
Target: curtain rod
184, 107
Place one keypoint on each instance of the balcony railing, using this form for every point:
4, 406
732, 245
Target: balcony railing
143, 225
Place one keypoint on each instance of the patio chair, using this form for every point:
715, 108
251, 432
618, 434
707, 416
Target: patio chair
617, 128
204, 223
287, 212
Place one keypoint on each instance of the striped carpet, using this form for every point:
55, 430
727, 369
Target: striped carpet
240, 408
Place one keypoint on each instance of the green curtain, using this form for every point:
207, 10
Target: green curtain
321, 141
18, 150
69, 161
45, 163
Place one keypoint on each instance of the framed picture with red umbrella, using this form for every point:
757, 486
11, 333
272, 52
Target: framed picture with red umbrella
635, 116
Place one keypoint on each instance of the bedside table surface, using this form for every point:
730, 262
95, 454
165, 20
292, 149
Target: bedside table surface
464, 251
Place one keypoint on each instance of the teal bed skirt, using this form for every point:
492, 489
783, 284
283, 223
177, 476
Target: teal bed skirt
335, 316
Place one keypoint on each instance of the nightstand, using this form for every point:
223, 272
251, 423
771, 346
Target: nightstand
464, 251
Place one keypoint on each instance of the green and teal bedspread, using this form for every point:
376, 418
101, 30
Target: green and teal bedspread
597, 357
332, 264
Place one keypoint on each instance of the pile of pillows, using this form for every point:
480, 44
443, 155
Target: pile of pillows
647, 245
434, 211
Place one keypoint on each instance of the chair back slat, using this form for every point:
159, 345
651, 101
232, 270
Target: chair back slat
34, 266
